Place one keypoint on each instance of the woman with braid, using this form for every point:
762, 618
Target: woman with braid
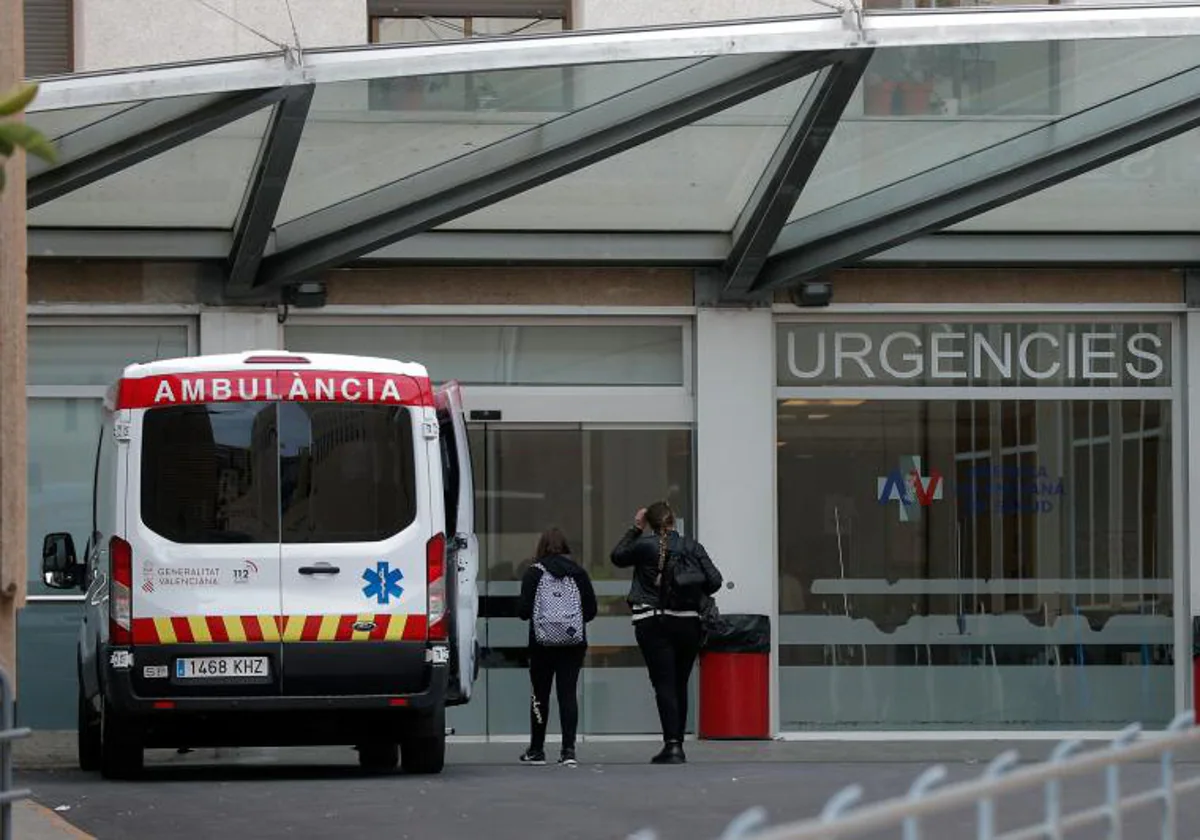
672, 577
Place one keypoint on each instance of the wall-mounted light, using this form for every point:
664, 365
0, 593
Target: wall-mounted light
812, 293
310, 295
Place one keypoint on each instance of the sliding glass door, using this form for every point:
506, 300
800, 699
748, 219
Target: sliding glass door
588, 481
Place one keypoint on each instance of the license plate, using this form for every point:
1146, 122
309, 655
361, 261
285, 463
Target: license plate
221, 667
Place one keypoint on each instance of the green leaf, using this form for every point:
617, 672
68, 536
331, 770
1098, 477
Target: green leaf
16, 101
28, 138
1, 178
6, 146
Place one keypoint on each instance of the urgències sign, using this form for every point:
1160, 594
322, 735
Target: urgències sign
981, 355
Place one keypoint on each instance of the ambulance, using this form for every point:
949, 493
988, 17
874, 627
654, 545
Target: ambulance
282, 553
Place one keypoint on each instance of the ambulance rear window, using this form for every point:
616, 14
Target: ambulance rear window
210, 473
255, 471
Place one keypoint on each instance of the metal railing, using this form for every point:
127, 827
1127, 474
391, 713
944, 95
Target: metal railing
840, 819
8, 734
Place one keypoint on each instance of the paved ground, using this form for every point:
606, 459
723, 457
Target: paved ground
269, 794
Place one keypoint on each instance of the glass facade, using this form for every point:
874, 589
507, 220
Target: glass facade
70, 364
584, 478
588, 482
992, 558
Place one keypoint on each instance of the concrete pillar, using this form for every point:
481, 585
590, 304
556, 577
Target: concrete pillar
1186, 438
13, 440
735, 459
224, 331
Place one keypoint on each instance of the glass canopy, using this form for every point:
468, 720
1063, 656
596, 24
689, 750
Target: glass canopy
796, 146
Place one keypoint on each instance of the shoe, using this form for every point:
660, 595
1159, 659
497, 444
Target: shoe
567, 758
532, 756
671, 753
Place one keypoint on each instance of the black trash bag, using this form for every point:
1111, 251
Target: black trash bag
739, 633
1196, 639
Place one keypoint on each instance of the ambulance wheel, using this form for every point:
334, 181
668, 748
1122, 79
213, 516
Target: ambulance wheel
88, 735
425, 753
121, 753
379, 758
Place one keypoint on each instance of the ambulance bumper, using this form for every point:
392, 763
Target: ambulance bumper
279, 721
130, 695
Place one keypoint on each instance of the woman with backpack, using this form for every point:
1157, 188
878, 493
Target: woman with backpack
558, 601
673, 581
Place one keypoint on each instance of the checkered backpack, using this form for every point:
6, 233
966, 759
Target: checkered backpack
557, 611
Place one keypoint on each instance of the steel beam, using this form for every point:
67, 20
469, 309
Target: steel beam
95, 163
885, 28
775, 195
257, 217
1002, 173
116, 128
434, 196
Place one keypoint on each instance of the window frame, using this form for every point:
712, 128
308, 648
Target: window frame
1053, 314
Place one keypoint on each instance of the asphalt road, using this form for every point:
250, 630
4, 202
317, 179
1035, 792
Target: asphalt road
264, 796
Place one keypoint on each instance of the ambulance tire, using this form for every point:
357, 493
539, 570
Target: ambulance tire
379, 758
88, 728
425, 753
121, 753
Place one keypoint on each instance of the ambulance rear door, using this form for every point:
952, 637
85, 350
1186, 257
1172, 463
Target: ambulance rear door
459, 489
356, 524
200, 552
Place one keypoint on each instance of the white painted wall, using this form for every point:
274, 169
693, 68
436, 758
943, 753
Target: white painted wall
231, 331
735, 461
735, 458
132, 33
615, 14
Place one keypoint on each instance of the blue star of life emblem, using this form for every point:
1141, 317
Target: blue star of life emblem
383, 582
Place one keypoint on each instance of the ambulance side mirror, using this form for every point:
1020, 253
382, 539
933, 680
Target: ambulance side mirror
60, 566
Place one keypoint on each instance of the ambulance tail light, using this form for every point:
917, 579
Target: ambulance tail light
435, 587
120, 592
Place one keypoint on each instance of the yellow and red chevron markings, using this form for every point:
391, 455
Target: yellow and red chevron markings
220, 629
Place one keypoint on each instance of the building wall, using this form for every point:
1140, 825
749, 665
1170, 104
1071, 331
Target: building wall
616, 14
729, 402
131, 33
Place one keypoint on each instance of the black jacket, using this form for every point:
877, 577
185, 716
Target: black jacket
559, 566
639, 551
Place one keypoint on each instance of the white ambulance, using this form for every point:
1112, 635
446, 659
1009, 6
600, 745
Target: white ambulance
282, 553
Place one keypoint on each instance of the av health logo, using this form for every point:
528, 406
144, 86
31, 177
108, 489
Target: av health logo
910, 488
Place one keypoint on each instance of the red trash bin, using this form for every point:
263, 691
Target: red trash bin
1196, 666
735, 680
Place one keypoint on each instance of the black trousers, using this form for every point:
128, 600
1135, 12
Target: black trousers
559, 666
669, 645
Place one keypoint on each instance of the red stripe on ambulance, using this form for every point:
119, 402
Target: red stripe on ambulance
280, 386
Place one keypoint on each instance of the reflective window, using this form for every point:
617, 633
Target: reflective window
63, 434
493, 354
210, 473
975, 563
64, 428
918, 108
47, 641
346, 472
96, 355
